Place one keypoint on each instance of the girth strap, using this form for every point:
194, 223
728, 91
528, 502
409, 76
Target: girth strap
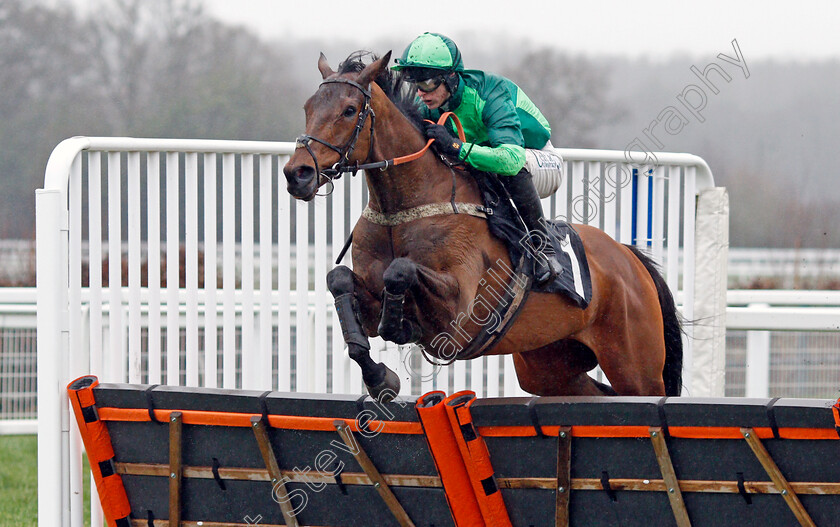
507, 309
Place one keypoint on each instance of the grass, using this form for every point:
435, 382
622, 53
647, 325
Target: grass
19, 482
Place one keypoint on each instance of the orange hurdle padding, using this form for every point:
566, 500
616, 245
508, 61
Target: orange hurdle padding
477, 459
243, 420
447, 457
836, 410
100, 452
685, 432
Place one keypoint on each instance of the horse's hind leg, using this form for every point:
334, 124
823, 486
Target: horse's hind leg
632, 359
558, 369
398, 277
382, 383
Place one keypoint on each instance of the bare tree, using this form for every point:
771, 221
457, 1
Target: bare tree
43, 67
136, 43
570, 91
169, 70
767, 213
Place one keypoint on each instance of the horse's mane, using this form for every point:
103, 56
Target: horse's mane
392, 83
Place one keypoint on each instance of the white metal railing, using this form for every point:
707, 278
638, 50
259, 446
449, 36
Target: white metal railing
158, 198
755, 318
758, 313
814, 268
17, 361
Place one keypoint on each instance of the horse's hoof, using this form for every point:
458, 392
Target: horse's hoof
388, 389
400, 276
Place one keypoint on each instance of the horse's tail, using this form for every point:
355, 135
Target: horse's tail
672, 372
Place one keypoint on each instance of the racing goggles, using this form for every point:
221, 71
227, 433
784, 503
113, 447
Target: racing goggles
429, 85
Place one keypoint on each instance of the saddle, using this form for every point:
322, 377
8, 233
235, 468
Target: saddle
504, 222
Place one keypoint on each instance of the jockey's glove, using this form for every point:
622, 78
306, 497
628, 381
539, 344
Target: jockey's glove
445, 142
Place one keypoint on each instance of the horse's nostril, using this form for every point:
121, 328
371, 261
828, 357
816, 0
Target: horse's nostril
301, 181
301, 174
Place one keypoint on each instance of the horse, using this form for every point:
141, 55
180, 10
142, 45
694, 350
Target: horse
416, 277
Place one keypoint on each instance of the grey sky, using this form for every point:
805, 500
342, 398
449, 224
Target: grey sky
655, 28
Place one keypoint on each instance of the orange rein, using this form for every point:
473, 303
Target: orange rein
416, 155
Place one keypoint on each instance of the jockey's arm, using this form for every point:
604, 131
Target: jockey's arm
503, 150
503, 153
505, 159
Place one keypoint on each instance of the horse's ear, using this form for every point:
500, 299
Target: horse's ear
326, 71
373, 69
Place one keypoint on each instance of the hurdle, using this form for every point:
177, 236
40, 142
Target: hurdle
118, 217
164, 455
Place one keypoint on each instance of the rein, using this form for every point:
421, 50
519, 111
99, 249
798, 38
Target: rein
343, 165
383, 165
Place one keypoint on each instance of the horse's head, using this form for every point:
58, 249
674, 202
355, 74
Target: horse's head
339, 123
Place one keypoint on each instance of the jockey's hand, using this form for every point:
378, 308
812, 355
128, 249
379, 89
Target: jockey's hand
445, 142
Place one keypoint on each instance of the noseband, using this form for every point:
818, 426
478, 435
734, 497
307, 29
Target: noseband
344, 152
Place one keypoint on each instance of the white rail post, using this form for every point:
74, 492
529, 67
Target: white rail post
711, 252
757, 371
53, 418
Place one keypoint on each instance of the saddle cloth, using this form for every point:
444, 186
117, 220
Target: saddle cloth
575, 281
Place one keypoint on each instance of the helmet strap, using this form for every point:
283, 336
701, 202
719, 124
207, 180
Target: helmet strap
452, 80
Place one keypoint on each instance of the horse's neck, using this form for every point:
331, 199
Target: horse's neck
419, 182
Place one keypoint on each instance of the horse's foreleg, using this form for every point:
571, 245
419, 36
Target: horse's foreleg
398, 277
382, 383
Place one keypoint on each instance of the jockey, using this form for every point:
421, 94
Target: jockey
499, 122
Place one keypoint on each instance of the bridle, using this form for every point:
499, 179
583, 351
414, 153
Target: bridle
344, 152
343, 165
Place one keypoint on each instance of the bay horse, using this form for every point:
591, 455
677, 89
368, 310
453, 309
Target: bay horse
416, 277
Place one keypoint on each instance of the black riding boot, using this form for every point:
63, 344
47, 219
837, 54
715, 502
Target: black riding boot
527, 202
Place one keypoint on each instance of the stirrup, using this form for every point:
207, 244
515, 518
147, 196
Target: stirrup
546, 268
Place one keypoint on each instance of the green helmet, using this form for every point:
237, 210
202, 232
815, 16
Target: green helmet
431, 51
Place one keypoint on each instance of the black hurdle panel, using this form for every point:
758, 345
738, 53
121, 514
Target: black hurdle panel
224, 476
707, 444
598, 464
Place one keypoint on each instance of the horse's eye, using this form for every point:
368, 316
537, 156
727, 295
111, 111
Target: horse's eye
350, 111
